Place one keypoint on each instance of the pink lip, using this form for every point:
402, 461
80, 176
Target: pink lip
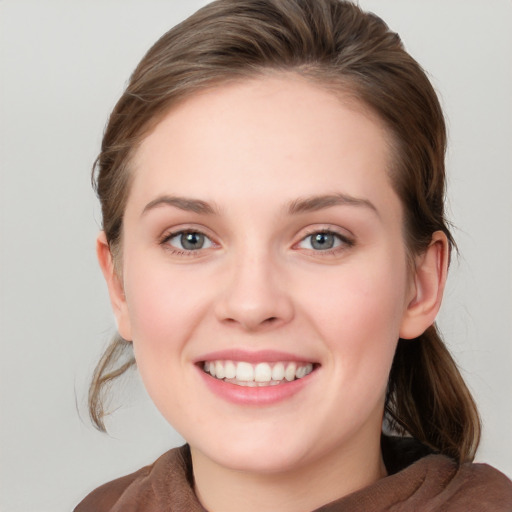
242, 395
254, 396
268, 356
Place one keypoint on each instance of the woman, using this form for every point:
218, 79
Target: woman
275, 248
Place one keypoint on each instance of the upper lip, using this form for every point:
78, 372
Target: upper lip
259, 356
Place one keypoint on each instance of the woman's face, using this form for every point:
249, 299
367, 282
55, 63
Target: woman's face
262, 237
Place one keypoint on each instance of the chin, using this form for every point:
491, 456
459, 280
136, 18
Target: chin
261, 455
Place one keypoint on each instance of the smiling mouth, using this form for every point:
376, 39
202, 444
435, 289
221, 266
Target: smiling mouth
242, 373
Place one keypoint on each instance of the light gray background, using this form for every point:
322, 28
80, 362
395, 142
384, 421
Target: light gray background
63, 64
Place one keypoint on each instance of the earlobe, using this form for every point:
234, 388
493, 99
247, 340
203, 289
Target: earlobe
429, 281
115, 286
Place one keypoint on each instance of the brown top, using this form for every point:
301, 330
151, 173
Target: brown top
433, 483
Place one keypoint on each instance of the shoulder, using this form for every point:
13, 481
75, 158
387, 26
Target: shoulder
431, 476
480, 487
105, 497
167, 480
445, 485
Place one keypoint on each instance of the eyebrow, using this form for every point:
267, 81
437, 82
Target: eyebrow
315, 203
183, 203
301, 205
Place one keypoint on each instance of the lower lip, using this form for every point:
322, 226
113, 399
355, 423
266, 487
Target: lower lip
264, 395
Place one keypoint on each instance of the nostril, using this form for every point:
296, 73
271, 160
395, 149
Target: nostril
253, 324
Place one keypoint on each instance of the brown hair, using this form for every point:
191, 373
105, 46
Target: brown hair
334, 43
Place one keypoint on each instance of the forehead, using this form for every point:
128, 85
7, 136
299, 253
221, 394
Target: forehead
274, 132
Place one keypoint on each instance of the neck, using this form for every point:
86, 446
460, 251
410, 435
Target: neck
300, 489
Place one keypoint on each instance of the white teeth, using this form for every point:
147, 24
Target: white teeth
244, 371
261, 374
229, 369
278, 371
219, 370
301, 372
289, 373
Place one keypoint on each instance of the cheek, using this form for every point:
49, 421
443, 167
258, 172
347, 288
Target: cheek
364, 293
359, 314
163, 310
164, 314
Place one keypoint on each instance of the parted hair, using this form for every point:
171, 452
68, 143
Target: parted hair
335, 44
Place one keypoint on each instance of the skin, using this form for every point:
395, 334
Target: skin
251, 150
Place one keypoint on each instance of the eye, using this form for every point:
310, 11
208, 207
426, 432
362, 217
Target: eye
323, 241
188, 241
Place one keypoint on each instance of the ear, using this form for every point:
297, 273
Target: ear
115, 286
427, 287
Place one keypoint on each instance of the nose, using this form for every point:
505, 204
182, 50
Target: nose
255, 296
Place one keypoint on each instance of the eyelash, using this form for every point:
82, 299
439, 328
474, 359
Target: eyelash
344, 242
164, 242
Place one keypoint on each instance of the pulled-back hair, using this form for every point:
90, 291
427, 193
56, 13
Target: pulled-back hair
332, 43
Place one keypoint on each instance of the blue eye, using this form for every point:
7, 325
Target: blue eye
323, 241
189, 241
